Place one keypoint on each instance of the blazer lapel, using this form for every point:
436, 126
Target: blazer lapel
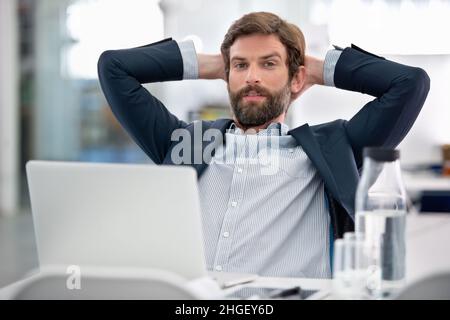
305, 138
222, 125
197, 160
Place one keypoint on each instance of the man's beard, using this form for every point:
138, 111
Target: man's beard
255, 113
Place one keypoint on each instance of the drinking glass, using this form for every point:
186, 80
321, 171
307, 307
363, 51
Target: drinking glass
356, 268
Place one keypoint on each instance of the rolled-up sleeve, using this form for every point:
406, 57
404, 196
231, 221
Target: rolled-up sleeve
190, 63
329, 66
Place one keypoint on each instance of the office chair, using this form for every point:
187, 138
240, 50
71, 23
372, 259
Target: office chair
434, 287
106, 284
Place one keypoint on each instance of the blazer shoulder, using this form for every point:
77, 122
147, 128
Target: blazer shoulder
328, 128
330, 133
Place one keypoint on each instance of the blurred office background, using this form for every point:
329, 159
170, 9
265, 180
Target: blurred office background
52, 108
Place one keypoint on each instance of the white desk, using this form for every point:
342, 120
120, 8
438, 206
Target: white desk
428, 252
323, 286
418, 182
427, 245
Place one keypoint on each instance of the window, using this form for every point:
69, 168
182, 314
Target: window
99, 25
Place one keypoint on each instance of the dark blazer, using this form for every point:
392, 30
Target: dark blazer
335, 148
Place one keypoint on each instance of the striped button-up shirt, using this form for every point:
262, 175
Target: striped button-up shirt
263, 201
263, 208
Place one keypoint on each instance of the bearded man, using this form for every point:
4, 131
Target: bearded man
281, 223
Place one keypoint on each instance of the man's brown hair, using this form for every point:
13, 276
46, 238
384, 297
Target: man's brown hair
267, 23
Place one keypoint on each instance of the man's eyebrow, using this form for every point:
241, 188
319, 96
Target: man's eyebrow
267, 56
238, 58
271, 55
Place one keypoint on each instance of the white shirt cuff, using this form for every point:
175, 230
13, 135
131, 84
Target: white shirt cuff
329, 66
189, 56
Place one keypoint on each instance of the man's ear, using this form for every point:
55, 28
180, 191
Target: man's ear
297, 82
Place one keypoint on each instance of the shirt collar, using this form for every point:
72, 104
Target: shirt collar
273, 129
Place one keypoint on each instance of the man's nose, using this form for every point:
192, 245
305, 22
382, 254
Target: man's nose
253, 76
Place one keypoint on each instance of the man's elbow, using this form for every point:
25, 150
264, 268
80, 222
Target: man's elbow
105, 63
421, 81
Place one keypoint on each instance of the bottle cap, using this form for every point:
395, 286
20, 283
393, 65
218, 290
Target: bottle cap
381, 154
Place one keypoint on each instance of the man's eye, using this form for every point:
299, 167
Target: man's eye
240, 65
269, 64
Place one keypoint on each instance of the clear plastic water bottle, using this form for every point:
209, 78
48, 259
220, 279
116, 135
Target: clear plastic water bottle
381, 219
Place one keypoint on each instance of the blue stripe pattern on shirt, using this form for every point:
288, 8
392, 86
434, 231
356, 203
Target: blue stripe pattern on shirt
263, 208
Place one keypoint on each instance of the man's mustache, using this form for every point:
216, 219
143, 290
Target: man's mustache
258, 89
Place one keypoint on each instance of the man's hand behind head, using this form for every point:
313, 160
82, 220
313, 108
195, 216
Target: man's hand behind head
211, 66
313, 70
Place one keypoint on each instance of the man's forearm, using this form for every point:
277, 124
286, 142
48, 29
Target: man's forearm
314, 70
210, 66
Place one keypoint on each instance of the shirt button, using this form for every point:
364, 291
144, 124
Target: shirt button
219, 268
234, 204
226, 234
239, 170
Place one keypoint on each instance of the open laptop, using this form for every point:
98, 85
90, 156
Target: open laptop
120, 215
117, 215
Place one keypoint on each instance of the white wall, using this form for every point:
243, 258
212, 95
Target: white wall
432, 128
8, 107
